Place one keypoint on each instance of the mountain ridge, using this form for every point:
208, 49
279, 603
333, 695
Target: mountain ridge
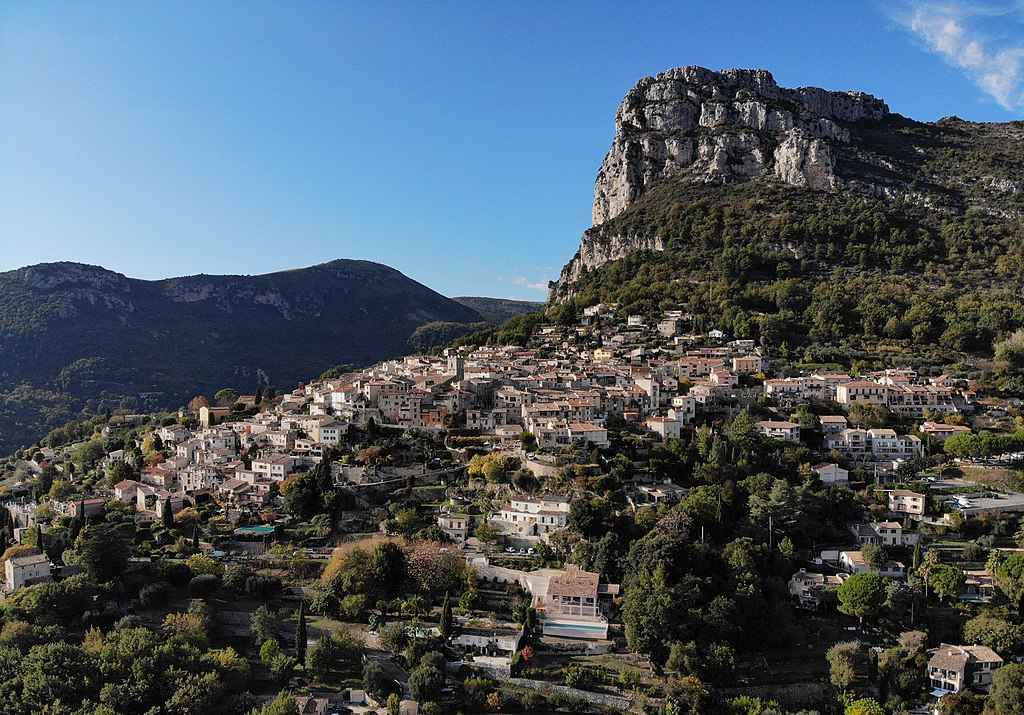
96, 339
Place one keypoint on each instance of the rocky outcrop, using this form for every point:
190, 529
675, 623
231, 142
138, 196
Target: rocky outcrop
600, 246
730, 125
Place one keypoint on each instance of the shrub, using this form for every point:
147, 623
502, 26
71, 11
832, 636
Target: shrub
203, 586
174, 572
153, 594
262, 586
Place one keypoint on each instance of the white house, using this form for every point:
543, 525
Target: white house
904, 501
809, 588
833, 424
853, 562
941, 432
588, 433
665, 427
276, 466
490, 638
684, 409
532, 517
872, 393
884, 533
831, 474
785, 431
23, 571
456, 526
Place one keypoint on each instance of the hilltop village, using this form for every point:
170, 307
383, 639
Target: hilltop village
622, 515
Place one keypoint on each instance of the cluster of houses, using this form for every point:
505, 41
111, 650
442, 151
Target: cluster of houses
237, 463
559, 396
951, 668
899, 390
522, 519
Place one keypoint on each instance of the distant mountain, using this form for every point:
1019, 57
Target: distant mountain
813, 220
499, 310
75, 336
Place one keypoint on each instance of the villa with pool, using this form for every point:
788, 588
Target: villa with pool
570, 606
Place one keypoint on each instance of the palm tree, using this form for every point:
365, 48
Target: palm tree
416, 604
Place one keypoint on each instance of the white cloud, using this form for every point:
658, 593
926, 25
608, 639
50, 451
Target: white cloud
540, 285
954, 30
525, 283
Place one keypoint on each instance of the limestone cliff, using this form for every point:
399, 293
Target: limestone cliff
725, 126
692, 131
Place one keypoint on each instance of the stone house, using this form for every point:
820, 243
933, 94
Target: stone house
953, 668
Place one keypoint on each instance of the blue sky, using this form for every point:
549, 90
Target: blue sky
457, 142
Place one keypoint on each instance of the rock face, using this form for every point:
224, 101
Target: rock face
725, 126
600, 246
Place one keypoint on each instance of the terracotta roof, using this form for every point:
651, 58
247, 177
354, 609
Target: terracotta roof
956, 658
29, 560
574, 582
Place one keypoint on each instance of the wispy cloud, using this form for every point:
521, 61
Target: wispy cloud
539, 285
983, 40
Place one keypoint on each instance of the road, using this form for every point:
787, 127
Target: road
391, 669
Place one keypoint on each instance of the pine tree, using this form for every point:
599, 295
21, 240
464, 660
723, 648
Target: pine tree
446, 617
300, 634
168, 514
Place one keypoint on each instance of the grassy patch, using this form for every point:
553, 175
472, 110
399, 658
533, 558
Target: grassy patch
990, 476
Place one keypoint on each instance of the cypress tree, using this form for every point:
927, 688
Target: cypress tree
259, 396
446, 617
300, 634
39, 537
195, 538
6, 526
168, 514
78, 522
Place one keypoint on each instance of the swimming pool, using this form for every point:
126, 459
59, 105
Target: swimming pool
255, 530
573, 629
